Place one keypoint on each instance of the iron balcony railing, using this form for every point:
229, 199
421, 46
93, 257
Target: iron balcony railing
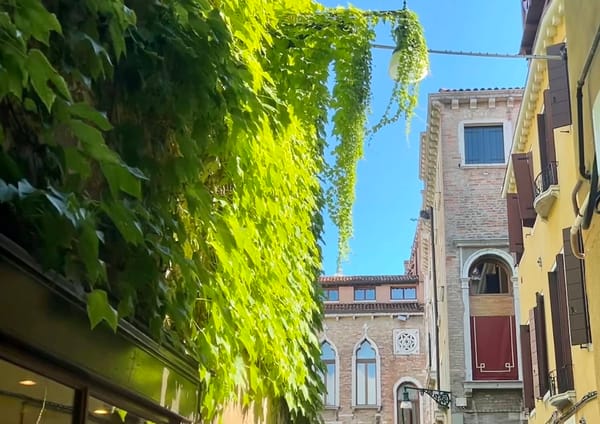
561, 380
546, 178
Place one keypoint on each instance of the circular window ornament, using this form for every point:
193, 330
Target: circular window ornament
406, 342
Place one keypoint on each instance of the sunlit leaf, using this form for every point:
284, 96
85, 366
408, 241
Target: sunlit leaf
99, 309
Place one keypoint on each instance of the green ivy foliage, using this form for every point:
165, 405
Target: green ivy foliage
166, 157
413, 65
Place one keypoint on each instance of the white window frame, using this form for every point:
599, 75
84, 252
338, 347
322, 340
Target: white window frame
336, 395
483, 122
377, 375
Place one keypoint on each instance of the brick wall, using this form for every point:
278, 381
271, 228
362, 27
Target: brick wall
470, 211
345, 332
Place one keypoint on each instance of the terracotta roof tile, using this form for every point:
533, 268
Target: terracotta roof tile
372, 307
448, 90
367, 279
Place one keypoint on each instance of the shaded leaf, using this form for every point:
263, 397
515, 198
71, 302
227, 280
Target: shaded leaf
87, 112
98, 309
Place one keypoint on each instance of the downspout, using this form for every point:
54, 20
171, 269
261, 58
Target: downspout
583, 219
435, 302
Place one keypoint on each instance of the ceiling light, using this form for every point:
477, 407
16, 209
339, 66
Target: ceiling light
27, 383
101, 411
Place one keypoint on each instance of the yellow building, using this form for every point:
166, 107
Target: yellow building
552, 212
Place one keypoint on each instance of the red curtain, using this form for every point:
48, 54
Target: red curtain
494, 348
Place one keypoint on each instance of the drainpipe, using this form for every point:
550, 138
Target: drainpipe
584, 217
428, 214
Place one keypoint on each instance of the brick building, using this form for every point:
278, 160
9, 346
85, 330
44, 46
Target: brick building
468, 268
374, 344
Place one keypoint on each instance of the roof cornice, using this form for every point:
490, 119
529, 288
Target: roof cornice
429, 151
430, 139
552, 19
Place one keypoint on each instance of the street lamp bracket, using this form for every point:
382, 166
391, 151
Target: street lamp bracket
441, 397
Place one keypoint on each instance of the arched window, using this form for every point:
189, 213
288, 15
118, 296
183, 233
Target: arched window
489, 275
366, 374
408, 415
330, 376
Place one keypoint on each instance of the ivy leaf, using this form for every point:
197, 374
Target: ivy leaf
122, 414
39, 73
88, 251
25, 188
92, 142
124, 220
122, 178
126, 306
98, 309
33, 18
76, 163
239, 370
7, 191
87, 112
58, 203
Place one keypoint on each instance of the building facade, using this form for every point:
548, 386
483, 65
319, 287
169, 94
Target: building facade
374, 345
55, 370
550, 190
466, 263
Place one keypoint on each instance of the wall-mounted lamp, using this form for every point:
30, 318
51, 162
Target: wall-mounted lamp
441, 397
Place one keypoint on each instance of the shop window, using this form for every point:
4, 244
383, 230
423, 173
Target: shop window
29, 398
100, 412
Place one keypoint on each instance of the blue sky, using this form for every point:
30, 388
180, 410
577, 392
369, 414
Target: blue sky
388, 192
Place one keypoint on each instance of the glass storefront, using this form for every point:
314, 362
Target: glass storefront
29, 398
55, 370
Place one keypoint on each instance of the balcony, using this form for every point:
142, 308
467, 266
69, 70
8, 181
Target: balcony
532, 11
546, 189
562, 393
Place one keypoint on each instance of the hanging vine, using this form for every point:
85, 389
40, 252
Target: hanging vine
165, 157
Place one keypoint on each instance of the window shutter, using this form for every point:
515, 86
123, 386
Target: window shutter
546, 143
528, 397
558, 79
576, 296
524, 178
535, 367
548, 128
541, 343
541, 126
515, 230
560, 327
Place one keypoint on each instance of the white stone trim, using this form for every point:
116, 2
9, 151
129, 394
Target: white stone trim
407, 380
464, 278
336, 402
406, 333
553, 18
377, 373
506, 134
